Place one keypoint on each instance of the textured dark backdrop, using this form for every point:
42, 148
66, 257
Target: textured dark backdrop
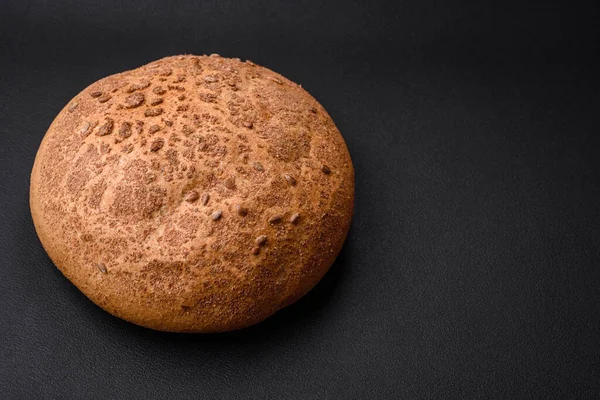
472, 269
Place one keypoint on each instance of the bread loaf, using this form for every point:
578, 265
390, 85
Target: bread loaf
193, 194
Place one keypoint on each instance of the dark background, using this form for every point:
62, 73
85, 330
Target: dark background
472, 269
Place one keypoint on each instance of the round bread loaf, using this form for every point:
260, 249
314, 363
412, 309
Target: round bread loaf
193, 194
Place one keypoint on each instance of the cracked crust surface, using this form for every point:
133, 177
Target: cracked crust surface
193, 194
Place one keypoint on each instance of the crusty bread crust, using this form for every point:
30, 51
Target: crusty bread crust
193, 194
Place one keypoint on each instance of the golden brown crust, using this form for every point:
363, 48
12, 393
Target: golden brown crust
193, 194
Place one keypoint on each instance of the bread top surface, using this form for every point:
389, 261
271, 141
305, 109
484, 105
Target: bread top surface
193, 194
